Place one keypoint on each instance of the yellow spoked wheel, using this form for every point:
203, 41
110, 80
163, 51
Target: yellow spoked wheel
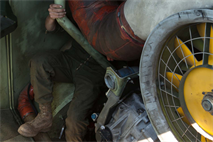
185, 76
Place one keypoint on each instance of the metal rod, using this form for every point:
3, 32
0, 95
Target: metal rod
168, 81
178, 119
196, 137
186, 130
174, 59
171, 106
169, 93
206, 43
190, 33
170, 70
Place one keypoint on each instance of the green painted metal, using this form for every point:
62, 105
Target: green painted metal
63, 94
77, 35
4, 98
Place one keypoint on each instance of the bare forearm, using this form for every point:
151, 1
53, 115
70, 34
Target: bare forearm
55, 11
50, 24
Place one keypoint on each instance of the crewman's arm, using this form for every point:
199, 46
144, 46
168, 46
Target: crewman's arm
55, 11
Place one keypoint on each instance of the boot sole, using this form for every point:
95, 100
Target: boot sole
33, 135
26, 134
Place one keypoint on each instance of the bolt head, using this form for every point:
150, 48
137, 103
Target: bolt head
102, 127
207, 105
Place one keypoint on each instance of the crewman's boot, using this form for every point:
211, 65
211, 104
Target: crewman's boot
41, 123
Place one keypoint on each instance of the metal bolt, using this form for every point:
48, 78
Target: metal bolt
207, 102
94, 116
145, 119
119, 14
131, 81
206, 105
110, 81
102, 127
139, 111
162, 83
142, 131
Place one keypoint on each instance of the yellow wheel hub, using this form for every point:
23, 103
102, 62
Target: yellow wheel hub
198, 81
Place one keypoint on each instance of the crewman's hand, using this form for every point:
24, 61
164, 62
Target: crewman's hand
55, 11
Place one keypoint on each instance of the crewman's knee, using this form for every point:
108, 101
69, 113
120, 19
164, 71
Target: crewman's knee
38, 61
42, 65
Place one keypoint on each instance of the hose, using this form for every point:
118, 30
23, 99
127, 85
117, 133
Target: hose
25, 106
30, 89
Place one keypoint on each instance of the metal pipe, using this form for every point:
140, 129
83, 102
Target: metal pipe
77, 35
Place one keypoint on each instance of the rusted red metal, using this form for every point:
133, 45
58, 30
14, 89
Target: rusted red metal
104, 26
24, 106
